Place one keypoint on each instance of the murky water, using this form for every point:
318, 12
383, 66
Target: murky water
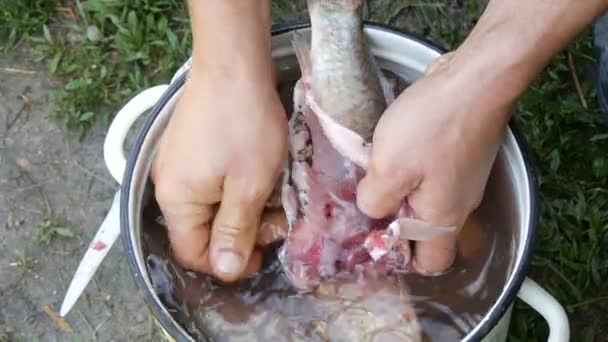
266, 308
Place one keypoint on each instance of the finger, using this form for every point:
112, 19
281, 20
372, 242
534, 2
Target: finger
439, 203
188, 229
380, 193
203, 263
188, 216
272, 228
234, 229
436, 255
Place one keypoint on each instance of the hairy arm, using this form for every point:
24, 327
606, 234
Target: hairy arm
444, 164
232, 37
223, 148
515, 39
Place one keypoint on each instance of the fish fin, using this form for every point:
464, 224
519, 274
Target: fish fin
301, 46
299, 96
290, 204
348, 143
417, 230
387, 89
289, 198
298, 134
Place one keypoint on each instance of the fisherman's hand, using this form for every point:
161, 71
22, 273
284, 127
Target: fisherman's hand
435, 144
215, 169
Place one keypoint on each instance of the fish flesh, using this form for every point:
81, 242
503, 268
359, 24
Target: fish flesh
337, 103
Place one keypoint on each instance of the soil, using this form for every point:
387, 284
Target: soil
48, 173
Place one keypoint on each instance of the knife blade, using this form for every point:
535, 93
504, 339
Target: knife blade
98, 249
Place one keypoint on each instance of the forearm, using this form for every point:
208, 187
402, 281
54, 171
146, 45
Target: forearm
231, 37
514, 40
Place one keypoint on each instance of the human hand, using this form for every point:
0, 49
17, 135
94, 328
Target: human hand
217, 164
435, 144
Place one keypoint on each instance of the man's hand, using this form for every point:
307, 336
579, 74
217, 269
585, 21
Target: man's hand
216, 167
225, 144
437, 142
439, 153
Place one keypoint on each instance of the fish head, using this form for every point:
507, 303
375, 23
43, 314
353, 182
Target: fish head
369, 309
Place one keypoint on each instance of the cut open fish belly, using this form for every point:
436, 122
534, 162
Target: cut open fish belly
327, 233
330, 152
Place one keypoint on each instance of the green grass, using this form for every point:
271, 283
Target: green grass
20, 19
142, 42
25, 262
104, 51
570, 143
51, 229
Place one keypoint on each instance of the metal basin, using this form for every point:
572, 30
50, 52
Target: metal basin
511, 189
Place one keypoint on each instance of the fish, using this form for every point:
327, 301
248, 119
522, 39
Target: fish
366, 310
338, 100
345, 78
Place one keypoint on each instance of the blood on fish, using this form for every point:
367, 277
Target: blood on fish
327, 210
356, 240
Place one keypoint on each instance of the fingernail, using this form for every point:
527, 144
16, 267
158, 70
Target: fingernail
229, 262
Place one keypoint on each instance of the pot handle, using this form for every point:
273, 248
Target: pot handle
113, 147
541, 301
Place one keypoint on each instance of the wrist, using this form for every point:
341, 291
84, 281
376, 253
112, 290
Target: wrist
514, 41
231, 39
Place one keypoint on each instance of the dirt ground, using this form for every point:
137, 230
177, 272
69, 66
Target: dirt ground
47, 174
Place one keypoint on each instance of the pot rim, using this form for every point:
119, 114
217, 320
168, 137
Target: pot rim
476, 334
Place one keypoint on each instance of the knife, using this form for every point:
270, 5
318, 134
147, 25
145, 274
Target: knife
104, 239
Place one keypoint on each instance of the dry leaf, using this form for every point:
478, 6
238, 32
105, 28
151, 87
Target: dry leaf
60, 322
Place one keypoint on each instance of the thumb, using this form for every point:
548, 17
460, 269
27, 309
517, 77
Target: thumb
380, 193
234, 230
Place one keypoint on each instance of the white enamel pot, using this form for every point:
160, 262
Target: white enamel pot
513, 174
